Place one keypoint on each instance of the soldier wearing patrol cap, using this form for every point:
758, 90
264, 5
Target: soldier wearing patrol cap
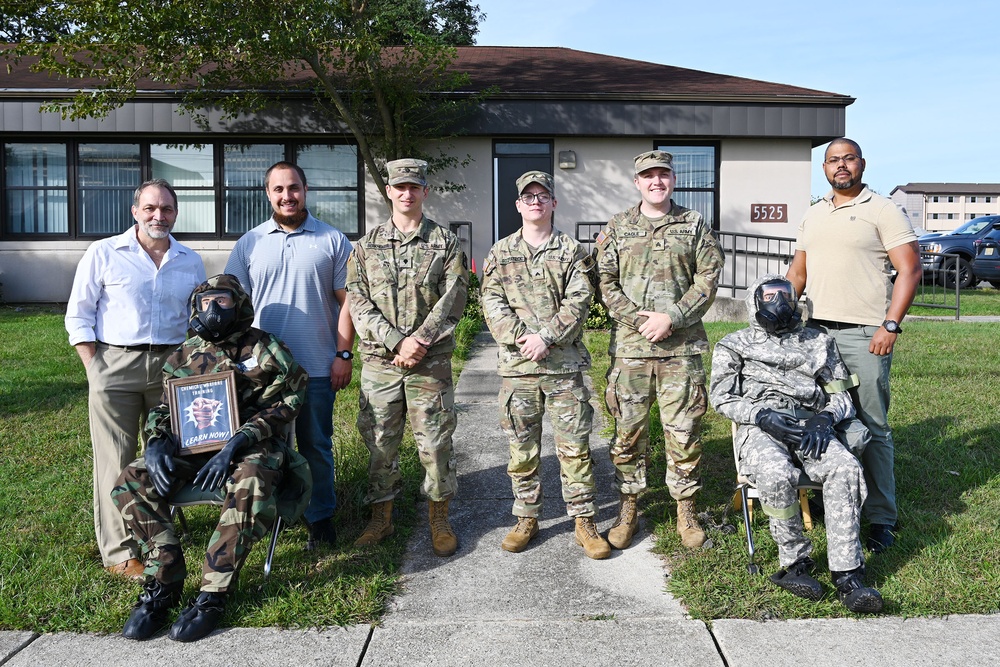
537, 287
407, 282
659, 268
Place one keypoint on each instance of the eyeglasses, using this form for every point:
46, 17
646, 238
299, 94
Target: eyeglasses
850, 158
540, 197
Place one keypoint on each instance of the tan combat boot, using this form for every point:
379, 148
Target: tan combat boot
621, 534
692, 536
443, 540
379, 526
518, 538
593, 544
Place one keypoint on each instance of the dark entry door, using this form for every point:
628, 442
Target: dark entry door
510, 160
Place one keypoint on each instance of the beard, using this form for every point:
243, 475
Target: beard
845, 185
291, 220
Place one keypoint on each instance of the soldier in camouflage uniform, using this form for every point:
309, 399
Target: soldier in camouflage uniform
659, 267
537, 287
786, 388
407, 283
270, 389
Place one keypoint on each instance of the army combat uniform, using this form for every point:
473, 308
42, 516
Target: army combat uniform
407, 285
667, 265
546, 292
799, 373
270, 390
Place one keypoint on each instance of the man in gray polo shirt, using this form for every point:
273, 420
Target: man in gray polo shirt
295, 269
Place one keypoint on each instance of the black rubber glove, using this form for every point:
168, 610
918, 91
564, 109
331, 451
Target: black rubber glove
160, 465
214, 473
816, 435
780, 426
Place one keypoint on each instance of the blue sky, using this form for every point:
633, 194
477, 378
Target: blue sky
926, 75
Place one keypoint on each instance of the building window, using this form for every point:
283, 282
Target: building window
934, 199
84, 189
970, 216
951, 199
36, 188
951, 216
989, 200
107, 175
697, 178
189, 168
934, 216
972, 199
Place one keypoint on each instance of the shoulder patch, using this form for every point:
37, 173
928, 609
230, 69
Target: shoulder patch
601, 238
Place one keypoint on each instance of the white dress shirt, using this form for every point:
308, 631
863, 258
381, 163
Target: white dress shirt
120, 297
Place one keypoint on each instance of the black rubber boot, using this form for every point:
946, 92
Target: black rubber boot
200, 618
796, 580
150, 613
854, 594
881, 536
322, 532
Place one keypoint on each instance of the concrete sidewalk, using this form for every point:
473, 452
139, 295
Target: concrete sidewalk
549, 605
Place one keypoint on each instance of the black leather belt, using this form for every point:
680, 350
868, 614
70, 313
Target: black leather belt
829, 324
143, 347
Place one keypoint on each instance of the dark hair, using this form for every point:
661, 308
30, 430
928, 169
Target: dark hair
156, 182
851, 142
285, 165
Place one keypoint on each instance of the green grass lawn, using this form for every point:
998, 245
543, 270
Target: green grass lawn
946, 402
50, 570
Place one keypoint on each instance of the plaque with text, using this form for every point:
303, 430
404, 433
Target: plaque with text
203, 412
768, 212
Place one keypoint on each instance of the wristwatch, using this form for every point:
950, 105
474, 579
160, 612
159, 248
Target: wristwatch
344, 354
892, 326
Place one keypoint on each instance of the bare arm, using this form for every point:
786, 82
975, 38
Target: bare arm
86, 352
341, 369
797, 272
906, 260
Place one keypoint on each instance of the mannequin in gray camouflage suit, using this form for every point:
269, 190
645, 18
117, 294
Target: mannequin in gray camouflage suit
785, 387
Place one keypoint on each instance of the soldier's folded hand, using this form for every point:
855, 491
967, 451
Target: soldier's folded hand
160, 464
816, 435
783, 428
214, 473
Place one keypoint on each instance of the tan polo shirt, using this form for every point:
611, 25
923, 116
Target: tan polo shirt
847, 256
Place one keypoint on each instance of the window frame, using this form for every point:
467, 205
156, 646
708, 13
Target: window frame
716, 146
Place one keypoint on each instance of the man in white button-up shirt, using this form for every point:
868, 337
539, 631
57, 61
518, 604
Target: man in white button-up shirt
127, 312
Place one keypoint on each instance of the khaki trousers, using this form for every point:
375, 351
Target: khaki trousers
124, 386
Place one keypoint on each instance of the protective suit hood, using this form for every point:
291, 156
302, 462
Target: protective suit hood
243, 307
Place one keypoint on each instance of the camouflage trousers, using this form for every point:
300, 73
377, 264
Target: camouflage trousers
523, 401
678, 386
774, 470
248, 513
423, 393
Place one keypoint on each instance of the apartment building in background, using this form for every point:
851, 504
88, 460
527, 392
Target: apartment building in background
941, 207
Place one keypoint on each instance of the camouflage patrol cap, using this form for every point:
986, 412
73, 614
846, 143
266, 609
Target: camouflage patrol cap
651, 159
540, 177
407, 170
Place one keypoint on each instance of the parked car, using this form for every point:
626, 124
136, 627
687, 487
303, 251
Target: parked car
964, 241
986, 265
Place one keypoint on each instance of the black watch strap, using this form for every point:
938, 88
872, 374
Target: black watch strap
892, 326
344, 354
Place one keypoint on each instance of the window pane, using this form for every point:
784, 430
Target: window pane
329, 166
183, 165
36, 179
244, 164
695, 165
245, 209
108, 176
339, 209
703, 202
36, 165
522, 149
188, 167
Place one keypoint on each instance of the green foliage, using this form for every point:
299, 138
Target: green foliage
598, 317
945, 398
474, 304
379, 68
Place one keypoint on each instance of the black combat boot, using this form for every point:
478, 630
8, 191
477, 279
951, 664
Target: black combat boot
854, 594
200, 618
149, 615
796, 579
881, 536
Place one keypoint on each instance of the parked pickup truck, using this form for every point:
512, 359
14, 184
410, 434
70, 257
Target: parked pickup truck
964, 241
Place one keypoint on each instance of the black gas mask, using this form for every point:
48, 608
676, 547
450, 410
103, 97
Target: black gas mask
777, 309
214, 314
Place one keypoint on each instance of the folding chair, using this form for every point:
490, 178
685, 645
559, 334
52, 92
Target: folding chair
297, 477
746, 493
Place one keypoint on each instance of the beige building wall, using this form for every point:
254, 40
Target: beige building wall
763, 172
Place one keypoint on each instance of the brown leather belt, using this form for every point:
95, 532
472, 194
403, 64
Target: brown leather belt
829, 324
142, 347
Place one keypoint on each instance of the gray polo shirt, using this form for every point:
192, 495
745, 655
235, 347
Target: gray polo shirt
291, 277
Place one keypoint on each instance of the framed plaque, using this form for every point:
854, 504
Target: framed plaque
203, 412
768, 212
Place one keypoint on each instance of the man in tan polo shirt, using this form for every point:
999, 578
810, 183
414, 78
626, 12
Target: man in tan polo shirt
848, 242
